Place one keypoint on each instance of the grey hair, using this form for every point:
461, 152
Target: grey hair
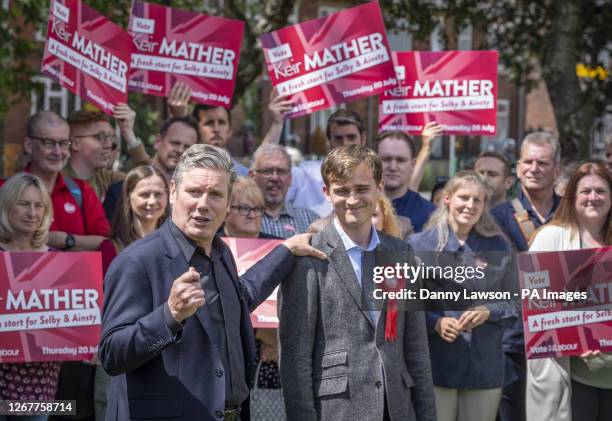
10, 194
202, 155
544, 138
41, 118
269, 149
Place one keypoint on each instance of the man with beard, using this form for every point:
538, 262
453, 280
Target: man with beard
495, 171
271, 170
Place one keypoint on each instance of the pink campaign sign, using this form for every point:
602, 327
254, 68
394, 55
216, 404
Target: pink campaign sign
457, 89
174, 45
556, 324
331, 60
247, 252
87, 54
50, 306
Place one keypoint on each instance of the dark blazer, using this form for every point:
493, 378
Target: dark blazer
158, 373
335, 362
475, 360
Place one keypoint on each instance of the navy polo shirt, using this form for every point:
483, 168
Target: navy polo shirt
413, 206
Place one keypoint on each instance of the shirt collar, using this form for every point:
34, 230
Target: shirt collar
286, 210
471, 244
187, 246
527, 204
69, 171
350, 244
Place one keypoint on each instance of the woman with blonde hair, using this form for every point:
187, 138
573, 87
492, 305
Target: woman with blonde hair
466, 343
25, 217
578, 388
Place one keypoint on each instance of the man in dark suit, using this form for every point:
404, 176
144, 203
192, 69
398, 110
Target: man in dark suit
339, 359
167, 364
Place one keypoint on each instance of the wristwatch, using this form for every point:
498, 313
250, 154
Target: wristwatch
70, 242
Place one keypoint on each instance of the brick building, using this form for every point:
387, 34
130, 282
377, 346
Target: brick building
517, 112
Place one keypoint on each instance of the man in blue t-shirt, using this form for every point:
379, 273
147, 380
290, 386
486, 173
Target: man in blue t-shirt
397, 153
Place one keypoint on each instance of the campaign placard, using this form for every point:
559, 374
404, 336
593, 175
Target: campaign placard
87, 54
174, 45
50, 306
247, 252
567, 302
457, 89
331, 60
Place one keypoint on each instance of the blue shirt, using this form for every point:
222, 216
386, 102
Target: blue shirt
413, 206
355, 255
241, 170
475, 360
504, 216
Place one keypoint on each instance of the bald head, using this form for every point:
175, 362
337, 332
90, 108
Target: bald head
38, 122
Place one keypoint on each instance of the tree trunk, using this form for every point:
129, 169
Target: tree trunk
574, 111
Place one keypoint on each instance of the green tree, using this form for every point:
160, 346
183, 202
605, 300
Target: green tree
20, 54
537, 41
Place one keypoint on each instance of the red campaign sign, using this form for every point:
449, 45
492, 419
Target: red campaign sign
87, 54
457, 89
174, 45
554, 324
331, 60
49, 306
247, 252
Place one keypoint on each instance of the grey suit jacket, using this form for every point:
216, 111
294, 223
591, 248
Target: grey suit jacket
335, 364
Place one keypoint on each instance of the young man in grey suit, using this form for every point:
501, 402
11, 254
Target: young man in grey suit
336, 362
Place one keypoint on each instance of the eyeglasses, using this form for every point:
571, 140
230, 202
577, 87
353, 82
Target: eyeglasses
269, 172
102, 137
48, 143
245, 210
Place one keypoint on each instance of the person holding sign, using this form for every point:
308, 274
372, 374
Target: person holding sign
94, 145
466, 345
578, 388
25, 217
339, 360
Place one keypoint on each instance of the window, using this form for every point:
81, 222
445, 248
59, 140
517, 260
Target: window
400, 39
464, 39
327, 10
51, 96
436, 41
319, 119
496, 143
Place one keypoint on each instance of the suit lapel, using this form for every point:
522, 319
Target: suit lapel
341, 264
177, 265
